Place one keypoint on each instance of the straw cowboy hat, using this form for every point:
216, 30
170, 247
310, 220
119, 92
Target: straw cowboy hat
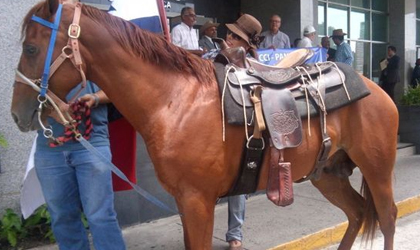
248, 28
338, 32
207, 25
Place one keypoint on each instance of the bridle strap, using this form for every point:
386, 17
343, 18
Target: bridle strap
74, 33
59, 106
54, 27
73, 44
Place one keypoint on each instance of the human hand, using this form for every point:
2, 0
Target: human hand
91, 100
222, 43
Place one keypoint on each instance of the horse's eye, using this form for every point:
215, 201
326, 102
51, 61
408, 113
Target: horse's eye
30, 50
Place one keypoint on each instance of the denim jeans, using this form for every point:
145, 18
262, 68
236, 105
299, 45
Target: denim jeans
74, 182
236, 217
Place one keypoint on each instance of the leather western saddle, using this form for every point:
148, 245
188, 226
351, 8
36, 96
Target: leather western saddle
276, 97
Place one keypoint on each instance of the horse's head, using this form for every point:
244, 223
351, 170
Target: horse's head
45, 39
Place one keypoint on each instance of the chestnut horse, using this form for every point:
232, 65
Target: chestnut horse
171, 97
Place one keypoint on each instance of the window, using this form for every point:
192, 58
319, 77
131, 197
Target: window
361, 54
321, 20
418, 32
360, 25
366, 25
418, 22
379, 27
337, 18
379, 52
361, 3
380, 5
340, 1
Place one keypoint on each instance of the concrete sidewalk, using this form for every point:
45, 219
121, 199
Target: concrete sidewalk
270, 227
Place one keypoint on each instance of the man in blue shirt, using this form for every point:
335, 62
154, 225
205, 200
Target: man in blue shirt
343, 53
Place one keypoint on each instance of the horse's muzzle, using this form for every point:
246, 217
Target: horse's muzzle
27, 125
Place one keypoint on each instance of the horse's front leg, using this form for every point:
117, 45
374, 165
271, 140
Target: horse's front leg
197, 215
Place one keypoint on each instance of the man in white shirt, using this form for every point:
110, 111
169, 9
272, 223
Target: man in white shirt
274, 38
184, 35
309, 33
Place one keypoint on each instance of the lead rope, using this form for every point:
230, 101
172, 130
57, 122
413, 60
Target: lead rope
81, 112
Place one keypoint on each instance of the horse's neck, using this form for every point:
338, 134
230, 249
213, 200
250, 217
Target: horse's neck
147, 94
144, 93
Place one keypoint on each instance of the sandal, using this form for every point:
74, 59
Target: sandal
235, 245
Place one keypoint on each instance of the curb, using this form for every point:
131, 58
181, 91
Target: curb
333, 235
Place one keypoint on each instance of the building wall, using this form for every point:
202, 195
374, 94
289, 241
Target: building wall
14, 158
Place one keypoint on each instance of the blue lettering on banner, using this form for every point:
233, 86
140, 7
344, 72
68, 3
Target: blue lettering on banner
272, 57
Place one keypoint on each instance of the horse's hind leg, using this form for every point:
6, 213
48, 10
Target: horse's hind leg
377, 171
197, 215
370, 140
340, 193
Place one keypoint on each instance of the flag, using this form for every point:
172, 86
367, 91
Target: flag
147, 14
272, 57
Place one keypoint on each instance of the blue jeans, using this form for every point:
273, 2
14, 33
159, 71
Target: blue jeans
236, 217
74, 182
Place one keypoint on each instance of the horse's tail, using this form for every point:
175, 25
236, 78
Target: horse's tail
370, 217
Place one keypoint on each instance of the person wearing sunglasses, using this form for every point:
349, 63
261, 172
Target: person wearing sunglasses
244, 32
184, 35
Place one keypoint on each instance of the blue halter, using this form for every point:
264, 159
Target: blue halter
54, 27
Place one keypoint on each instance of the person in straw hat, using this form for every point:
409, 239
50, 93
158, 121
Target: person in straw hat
343, 53
208, 31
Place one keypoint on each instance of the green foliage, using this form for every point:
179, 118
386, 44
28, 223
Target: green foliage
39, 223
13, 229
3, 141
411, 97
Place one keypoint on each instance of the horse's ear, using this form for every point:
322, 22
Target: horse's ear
52, 6
69, 1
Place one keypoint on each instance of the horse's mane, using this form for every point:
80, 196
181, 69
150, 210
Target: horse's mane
144, 44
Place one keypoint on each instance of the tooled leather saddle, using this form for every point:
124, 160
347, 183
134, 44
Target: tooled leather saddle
278, 98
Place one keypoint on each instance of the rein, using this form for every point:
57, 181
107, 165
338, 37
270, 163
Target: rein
80, 112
